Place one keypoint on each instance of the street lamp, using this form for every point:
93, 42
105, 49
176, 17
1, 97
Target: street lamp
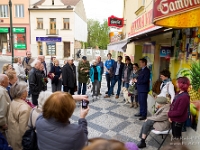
11, 31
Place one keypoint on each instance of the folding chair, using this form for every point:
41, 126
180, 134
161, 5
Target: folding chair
164, 135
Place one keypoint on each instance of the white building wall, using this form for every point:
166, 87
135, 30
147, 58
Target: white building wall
66, 35
80, 29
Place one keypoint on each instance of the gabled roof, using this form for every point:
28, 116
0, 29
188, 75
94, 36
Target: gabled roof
70, 2
65, 2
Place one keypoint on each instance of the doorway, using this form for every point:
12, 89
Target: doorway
66, 49
52, 25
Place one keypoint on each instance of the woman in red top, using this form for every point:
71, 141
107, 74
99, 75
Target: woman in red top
178, 112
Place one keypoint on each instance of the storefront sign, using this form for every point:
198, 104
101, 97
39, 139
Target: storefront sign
177, 13
19, 46
19, 30
4, 30
144, 22
48, 39
115, 22
165, 52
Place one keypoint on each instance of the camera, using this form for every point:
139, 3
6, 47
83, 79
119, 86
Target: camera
85, 104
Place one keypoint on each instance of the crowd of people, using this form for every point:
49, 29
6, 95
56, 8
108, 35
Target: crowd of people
49, 112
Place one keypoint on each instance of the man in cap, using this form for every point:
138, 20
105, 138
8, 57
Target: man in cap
69, 76
159, 121
83, 75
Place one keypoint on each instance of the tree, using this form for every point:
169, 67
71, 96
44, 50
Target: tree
98, 34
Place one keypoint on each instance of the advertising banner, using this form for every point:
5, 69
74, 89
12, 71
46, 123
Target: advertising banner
176, 13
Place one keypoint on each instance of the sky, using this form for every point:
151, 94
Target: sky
102, 9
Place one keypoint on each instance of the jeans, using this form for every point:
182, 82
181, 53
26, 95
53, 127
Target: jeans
146, 127
80, 88
113, 82
126, 85
108, 80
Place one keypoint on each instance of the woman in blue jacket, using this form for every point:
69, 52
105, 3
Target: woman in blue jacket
95, 76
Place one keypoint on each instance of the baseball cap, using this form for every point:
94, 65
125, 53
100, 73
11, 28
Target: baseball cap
84, 58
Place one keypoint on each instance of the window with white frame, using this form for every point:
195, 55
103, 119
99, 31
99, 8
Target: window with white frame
39, 23
3, 11
19, 11
66, 23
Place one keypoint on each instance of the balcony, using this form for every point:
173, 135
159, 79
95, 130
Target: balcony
52, 32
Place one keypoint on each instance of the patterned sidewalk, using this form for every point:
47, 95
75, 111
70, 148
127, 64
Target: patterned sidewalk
110, 118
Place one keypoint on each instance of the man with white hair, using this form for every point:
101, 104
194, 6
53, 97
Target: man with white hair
4, 103
69, 76
35, 81
42, 59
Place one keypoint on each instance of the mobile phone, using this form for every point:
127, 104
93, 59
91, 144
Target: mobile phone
85, 104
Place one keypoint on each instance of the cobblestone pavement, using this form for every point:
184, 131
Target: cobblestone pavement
110, 118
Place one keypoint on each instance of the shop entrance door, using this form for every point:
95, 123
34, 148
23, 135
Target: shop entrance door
66, 49
53, 26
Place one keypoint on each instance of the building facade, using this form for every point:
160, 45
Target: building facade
58, 27
21, 27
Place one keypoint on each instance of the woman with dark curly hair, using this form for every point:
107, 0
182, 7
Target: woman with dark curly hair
178, 112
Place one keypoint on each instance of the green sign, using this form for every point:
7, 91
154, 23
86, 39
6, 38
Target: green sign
4, 30
19, 46
19, 30
198, 35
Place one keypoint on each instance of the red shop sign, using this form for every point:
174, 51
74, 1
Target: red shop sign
115, 22
142, 23
167, 8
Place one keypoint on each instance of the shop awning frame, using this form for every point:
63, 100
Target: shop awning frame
118, 46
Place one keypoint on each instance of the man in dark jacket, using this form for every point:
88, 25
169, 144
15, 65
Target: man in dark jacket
117, 77
69, 76
35, 81
142, 84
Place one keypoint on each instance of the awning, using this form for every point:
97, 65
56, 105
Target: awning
146, 31
118, 46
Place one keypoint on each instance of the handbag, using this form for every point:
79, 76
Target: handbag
29, 139
50, 76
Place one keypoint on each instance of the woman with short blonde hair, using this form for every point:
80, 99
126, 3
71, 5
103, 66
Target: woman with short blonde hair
6, 67
54, 123
20, 69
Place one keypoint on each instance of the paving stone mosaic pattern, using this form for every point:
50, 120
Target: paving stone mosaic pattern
110, 118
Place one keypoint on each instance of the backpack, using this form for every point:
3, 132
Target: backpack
29, 139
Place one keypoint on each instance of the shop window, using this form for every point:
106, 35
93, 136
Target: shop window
51, 48
40, 48
3, 11
3, 42
39, 23
19, 11
66, 23
20, 41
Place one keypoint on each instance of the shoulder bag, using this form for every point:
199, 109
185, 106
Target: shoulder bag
29, 139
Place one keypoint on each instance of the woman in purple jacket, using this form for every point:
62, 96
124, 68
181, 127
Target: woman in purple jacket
178, 112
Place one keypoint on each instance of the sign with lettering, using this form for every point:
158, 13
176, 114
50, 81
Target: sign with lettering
176, 13
19, 30
19, 46
48, 39
142, 23
97, 52
4, 30
165, 52
115, 22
